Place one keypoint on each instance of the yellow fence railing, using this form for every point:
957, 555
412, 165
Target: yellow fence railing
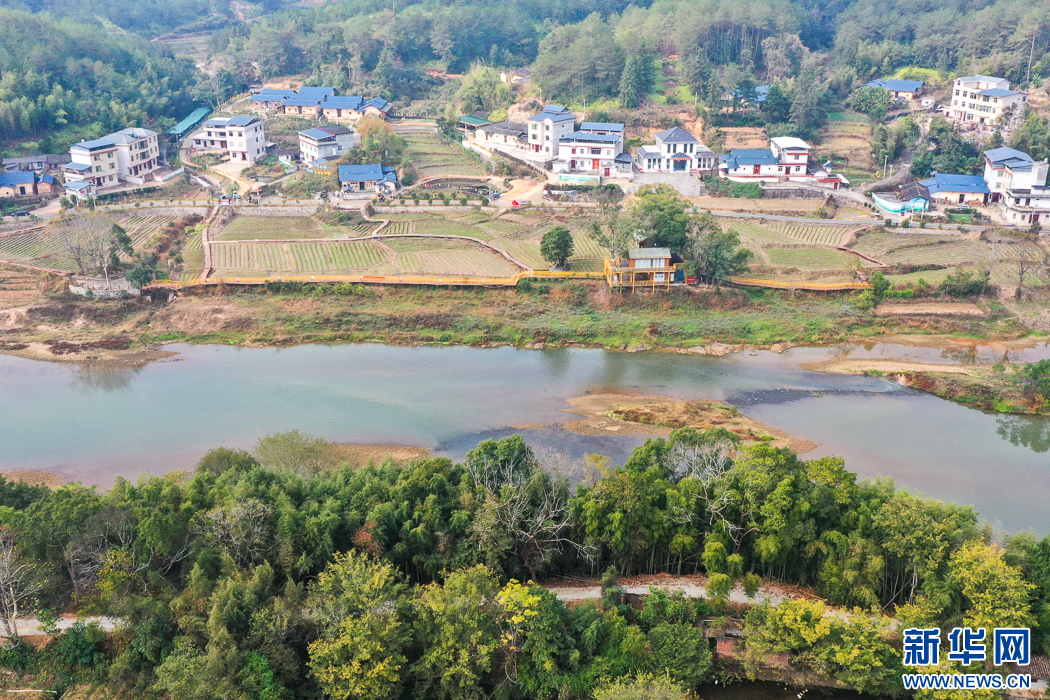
795, 284
431, 280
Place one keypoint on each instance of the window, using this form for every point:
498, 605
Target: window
596, 151
780, 168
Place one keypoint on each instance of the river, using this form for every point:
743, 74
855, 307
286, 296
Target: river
91, 424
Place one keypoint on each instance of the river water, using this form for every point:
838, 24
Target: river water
92, 424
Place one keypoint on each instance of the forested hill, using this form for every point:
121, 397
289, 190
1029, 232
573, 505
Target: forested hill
581, 49
61, 81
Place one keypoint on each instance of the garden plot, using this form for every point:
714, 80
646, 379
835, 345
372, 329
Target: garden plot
527, 252
811, 234
947, 253
434, 157
260, 257
758, 233
408, 245
248, 228
140, 228
810, 258
464, 263
337, 255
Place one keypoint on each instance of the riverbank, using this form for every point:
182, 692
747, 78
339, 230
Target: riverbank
999, 388
569, 314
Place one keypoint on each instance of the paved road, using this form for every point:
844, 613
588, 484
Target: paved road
30, 626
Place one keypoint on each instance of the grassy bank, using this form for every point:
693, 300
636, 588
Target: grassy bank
1000, 389
559, 314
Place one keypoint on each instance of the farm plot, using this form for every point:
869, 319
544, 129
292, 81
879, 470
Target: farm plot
400, 228
337, 255
476, 262
527, 252
812, 234
946, 253
248, 228
409, 245
433, 157
878, 243
583, 246
447, 227
141, 228
810, 258
758, 233
260, 257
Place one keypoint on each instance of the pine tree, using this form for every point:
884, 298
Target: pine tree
630, 82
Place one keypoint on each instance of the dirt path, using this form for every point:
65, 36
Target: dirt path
692, 586
30, 626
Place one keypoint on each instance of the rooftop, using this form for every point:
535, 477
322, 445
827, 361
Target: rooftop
366, 173
379, 103
554, 116
601, 126
676, 135
998, 92
947, 182
588, 137
790, 143
17, 178
312, 91
505, 127
129, 135
188, 123
1006, 157
979, 78
748, 156
648, 253
473, 121
894, 85
298, 101
344, 102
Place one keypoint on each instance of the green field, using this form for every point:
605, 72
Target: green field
434, 157
810, 258
265, 228
757, 233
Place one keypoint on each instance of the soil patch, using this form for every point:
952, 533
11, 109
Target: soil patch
34, 478
930, 309
363, 454
627, 414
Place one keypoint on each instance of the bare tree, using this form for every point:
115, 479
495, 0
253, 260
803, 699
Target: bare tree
709, 463
88, 239
1030, 258
18, 583
244, 531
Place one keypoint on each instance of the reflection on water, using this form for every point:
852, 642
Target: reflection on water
964, 355
104, 377
1032, 432
93, 424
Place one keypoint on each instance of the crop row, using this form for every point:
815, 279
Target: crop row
337, 255
759, 234
814, 234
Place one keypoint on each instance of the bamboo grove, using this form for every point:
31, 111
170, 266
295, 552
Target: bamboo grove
266, 571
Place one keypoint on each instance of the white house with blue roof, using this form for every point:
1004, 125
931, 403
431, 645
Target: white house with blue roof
548, 128
983, 100
593, 149
901, 89
357, 180
129, 155
1019, 184
243, 139
957, 189
18, 184
325, 142
312, 101
675, 151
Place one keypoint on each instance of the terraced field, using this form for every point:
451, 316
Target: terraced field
433, 157
478, 263
758, 233
526, 251
411, 245
341, 255
810, 258
923, 249
812, 234
249, 228
142, 227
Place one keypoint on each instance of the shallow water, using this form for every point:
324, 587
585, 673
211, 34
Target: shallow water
93, 424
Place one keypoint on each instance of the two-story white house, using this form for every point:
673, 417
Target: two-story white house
676, 150
981, 99
129, 155
325, 142
242, 138
593, 148
548, 128
786, 158
1018, 184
